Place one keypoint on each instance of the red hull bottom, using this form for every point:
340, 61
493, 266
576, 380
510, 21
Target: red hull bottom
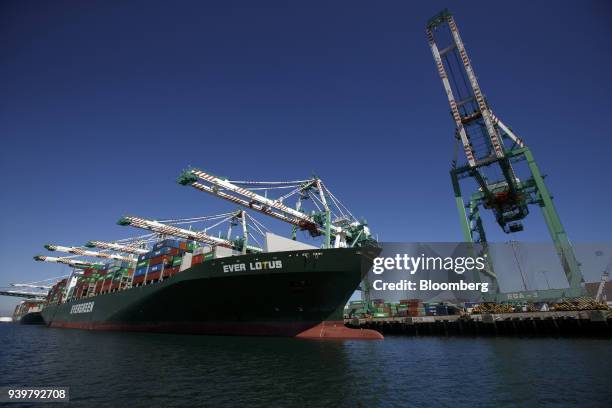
329, 330
338, 331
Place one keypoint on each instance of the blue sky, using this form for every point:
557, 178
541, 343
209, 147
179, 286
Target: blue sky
103, 105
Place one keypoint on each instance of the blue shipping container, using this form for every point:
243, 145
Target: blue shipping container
155, 268
141, 271
171, 243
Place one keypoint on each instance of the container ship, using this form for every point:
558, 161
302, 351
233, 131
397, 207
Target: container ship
29, 312
179, 280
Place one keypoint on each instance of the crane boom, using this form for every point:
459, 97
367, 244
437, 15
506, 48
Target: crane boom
254, 206
66, 261
465, 141
180, 232
84, 252
27, 285
116, 247
22, 294
473, 97
274, 208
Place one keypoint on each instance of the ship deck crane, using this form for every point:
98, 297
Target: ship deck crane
490, 163
344, 229
85, 252
199, 236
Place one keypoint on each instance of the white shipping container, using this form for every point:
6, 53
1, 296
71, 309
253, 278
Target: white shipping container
186, 261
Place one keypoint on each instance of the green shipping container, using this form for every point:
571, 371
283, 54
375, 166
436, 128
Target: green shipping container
142, 263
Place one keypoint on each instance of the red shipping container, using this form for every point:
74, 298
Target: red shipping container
156, 260
159, 259
197, 259
138, 279
171, 271
115, 285
153, 276
107, 285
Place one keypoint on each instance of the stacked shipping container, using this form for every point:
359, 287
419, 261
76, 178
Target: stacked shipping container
163, 261
166, 258
405, 308
56, 292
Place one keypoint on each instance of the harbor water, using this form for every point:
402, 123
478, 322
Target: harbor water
141, 369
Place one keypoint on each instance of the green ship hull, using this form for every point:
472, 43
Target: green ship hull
296, 294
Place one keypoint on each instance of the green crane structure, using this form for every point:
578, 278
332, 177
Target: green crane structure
491, 149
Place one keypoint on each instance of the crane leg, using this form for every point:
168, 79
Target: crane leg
465, 226
555, 228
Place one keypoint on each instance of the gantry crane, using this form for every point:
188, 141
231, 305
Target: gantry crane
198, 236
490, 162
85, 252
23, 294
130, 249
67, 261
344, 229
31, 285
